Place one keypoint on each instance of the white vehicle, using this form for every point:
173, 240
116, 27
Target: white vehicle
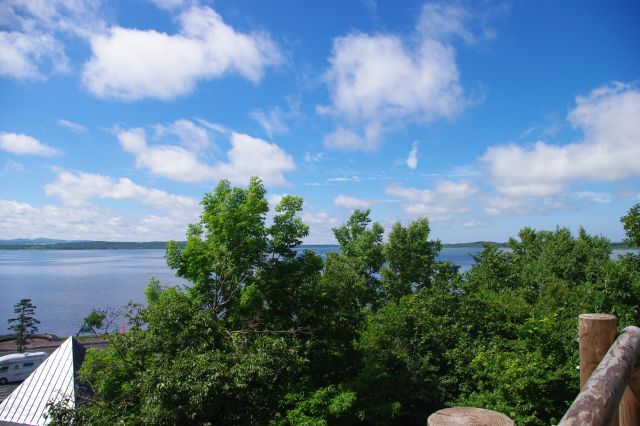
17, 367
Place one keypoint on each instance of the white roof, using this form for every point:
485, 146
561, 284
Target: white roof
52, 381
13, 357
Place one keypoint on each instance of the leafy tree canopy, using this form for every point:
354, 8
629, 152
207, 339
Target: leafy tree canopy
378, 333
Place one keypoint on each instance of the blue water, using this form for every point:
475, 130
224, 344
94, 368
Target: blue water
65, 285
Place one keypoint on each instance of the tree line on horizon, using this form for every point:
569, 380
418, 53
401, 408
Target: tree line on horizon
378, 333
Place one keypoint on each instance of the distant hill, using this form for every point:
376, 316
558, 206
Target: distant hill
475, 244
52, 244
81, 245
35, 241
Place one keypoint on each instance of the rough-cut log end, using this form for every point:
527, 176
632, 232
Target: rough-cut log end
457, 416
599, 317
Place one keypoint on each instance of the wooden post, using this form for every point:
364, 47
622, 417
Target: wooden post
458, 416
596, 334
599, 399
629, 409
630, 404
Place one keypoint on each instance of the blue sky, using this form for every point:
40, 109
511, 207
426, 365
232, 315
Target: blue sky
115, 117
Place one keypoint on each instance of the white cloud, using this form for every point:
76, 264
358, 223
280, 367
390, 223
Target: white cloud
272, 121
274, 200
313, 158
320, 227
440, 203
377, 77
500, 205
473, 223
32, 39
170, 4
21, 220
255, 157
189, 134
74, 127
247, 157
20, 144
608, 151
349, 202
169, 161
385, 80
347, 140
412, 158
76, 189
21, 55
442, 21
213, 126
130, 64
595, 197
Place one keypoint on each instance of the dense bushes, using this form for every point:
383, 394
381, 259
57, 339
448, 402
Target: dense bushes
380, 333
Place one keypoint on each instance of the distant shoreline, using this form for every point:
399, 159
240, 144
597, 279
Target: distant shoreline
155, 245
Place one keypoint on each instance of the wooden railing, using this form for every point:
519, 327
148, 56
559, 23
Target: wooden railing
609, 379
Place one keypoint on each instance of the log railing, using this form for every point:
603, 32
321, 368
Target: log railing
609, 380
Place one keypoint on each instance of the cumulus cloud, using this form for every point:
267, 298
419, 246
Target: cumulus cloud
440, 203
247, 157
20, 144
250, 156
350, 140
412, 158
321, 226
131, 64
497, 205
349, 202
76, 189
170, 161
608, 150
384, 80
31, 45
189, 134
22, 220
21, 55
74, 127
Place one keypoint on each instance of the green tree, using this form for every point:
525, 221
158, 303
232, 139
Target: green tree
411, 259
631, 224
25, 323
224, 250
361, 247
228, 348
93, 322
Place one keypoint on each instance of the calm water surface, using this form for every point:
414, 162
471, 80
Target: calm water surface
66, 285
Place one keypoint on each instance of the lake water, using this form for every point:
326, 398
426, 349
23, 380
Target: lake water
65, 285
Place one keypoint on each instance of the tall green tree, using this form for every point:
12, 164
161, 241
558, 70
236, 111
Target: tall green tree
25, 323
631, 223
361, 247
224, 250
411, 259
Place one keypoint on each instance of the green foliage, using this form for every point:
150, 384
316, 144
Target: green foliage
379, 333
410, 257
93, 322
25, 323
361, 246
631, 224
223, 251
